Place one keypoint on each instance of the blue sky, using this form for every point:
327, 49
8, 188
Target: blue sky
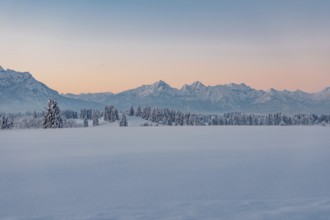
281, 44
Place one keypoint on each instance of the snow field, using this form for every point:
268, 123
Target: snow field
109, 172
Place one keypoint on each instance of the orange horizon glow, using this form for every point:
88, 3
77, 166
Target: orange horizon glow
84, 82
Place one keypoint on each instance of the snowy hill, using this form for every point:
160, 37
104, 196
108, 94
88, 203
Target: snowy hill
21, 92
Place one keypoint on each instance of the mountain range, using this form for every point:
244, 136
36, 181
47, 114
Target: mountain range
21, 92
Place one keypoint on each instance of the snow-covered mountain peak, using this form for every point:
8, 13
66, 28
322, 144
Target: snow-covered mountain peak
11, 77
160, 85
195, 86
323, 95
241, 86
1, 69
23, 83
271, 91
20, 91
18, 75
326, 90
156, 88
184, 87
198, 85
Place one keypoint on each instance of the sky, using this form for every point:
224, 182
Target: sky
77, 46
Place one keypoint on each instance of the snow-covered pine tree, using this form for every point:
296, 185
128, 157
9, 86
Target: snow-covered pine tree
116, 114
35, 114
86, 113
111, 114
131, 111
123, 121
95, 119
107, 112
138, 112
69, 114
146, 113
85, 123
4, 123
52, 118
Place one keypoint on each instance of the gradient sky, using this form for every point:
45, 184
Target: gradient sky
93, 46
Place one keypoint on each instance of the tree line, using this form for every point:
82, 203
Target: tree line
53, 117
165, 116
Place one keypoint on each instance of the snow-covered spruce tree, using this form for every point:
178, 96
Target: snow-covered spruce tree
95, 119
107, 112
116, 114
35, 115
123, 121
5, 124
52, 118
138, 112
85, 123
69, 114
131, 111
86, 113
146, 113
111, 114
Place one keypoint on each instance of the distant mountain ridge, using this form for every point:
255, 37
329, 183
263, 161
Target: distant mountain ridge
222, 98
91, 97
19, 91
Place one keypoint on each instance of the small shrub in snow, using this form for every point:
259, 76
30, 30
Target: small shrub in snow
145, 124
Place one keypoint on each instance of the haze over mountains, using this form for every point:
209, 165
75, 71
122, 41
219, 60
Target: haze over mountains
21, 92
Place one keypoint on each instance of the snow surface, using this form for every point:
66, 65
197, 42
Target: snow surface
109, 172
